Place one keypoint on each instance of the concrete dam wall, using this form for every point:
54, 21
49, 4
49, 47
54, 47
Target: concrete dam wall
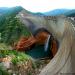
63, 29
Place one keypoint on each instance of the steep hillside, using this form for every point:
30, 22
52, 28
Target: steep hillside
11, 28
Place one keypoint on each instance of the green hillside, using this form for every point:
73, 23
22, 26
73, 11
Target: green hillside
11, 28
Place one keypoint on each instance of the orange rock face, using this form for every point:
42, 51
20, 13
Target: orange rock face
25, 43
54, 46
41, 37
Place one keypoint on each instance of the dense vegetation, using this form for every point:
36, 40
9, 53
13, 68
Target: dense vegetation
11, 28
16, 56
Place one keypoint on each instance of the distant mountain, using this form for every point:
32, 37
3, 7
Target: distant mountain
7, 11
15, 10
56, 12
3, 10
70, 13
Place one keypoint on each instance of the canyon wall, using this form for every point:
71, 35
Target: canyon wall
63, 29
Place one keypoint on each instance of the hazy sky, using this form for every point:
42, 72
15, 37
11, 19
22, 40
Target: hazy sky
39, 5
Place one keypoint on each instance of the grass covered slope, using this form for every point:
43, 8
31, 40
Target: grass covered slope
14, 61
16, 56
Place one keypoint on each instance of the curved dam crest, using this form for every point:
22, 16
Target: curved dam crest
63, 29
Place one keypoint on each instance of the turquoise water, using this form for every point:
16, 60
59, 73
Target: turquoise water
39, 52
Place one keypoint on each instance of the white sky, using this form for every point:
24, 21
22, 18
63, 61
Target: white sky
39, 5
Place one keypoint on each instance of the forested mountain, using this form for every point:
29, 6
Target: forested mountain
11, 28
12, 10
